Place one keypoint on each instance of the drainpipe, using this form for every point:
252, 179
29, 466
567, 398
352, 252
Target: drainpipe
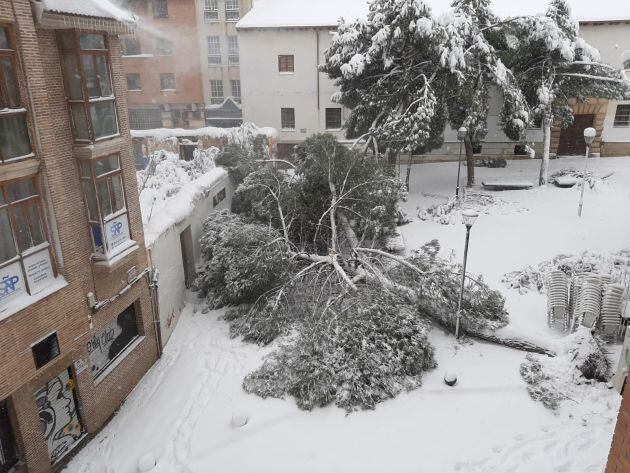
152, 279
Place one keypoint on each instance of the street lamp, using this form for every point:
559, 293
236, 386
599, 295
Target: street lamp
589, 136
461, 136
468, 218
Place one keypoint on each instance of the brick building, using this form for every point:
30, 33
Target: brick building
161, 63
76, 313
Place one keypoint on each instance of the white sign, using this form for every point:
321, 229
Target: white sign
39, 270
80, 365
117, 232
11, 283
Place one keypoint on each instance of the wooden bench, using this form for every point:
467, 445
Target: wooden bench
506, 185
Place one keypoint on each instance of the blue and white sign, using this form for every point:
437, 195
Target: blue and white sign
117, 232
11, 283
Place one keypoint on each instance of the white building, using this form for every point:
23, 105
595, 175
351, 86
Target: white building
283, 41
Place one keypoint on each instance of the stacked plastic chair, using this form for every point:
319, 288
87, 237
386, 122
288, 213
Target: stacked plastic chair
611, 310
591, 300
557, 300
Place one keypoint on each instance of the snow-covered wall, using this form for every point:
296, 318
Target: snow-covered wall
191, 208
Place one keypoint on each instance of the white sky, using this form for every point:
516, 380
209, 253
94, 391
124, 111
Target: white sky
326, 12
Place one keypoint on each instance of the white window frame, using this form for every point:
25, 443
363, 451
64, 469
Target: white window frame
211, 10
214, 50
233, 51
232, 6
216, 86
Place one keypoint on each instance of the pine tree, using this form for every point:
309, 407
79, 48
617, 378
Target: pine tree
553, 64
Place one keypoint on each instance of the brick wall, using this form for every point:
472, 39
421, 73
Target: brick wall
66, 311
619, 457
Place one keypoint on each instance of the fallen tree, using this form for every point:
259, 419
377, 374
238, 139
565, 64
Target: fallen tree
304, 260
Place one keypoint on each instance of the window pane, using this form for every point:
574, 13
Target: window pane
103, 76
67, 39
133, 82
6, 67
92, 41
163, 47
97, 238
119, 196
21, 190
287, 116
21, 229
14, 140
333, 118
160, 9
167, 81
90, 76
108, 164
131, 46
7, 245
37, 232
90, 200
80, 121
104, 119
4, 38
73, 78
103, 197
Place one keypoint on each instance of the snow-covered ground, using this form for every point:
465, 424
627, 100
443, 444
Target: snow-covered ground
182, 410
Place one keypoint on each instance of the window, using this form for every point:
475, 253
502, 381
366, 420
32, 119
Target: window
110, 342
286, 63
103, 191
218, 197
145, 118
333, 118
233, 58
235, 85
287, 116
25, 254
85, 62
46, 350
626, 64
163, 47
214, 50
14, 137
216, 91
160, 8
133, 82
211, 10
131, 46
477, 148
167, 81
231, 10
622, 116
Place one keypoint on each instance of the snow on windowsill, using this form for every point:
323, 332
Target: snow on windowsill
136, 56
119, 359
125, 251
26, 300
208, 131
168, 90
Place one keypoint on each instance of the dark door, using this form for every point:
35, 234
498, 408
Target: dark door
188, 258
8, 453
572, 138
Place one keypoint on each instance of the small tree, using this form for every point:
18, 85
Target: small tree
552, 64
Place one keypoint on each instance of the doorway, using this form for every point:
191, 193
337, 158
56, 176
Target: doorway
8, 451
188, 258
58, 415
572, 138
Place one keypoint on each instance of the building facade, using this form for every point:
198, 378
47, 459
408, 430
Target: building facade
281, 86
220, 59
76, 313
161, 63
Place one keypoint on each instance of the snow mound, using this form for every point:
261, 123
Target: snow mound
244, 133
449, 213
169, 187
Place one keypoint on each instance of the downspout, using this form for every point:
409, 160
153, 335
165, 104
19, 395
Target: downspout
152, 279
317, 70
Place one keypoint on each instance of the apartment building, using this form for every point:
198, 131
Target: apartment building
161, 63
220, 59
76, 313
283, 41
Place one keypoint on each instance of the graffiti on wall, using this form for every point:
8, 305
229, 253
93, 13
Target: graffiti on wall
58, 417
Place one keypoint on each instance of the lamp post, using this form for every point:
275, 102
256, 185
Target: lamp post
461, 136
589, 136
468, 218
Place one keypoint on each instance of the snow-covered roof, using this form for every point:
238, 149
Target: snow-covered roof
89, 8
323, 13
302, 13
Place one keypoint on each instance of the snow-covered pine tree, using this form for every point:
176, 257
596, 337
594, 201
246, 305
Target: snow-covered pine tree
553, 64
468, 37
388, 70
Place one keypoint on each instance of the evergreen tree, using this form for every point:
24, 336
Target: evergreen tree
553, 64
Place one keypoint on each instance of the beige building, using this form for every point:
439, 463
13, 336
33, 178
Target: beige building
282, 42
220, 59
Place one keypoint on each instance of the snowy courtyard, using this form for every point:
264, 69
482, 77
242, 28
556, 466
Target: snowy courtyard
184, 410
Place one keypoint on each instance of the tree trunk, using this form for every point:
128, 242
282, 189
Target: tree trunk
544, 165
470, 161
